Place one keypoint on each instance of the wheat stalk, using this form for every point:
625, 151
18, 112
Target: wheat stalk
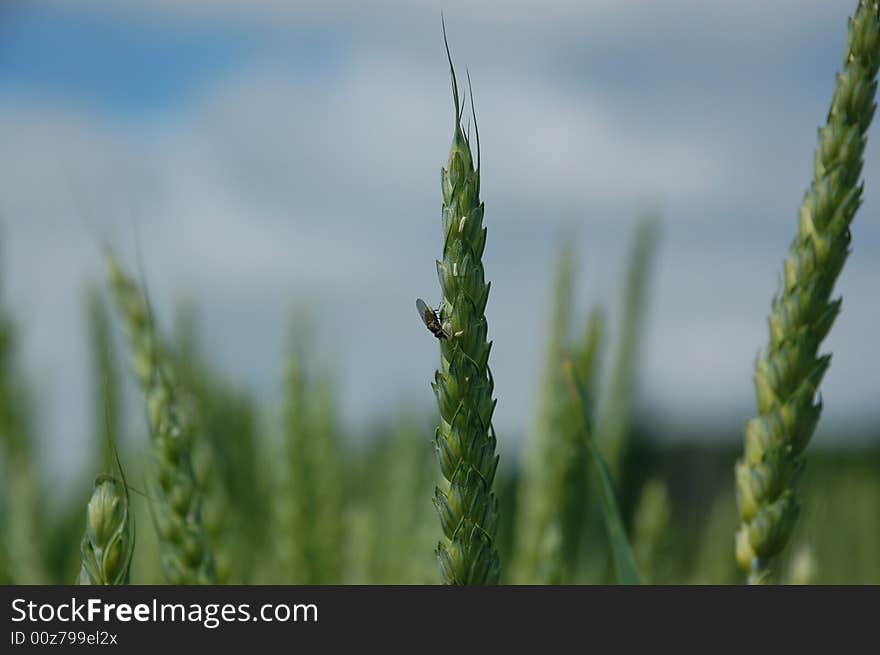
186, 557
465, 440
788, 372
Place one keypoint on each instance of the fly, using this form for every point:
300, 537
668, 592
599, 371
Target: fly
431, 319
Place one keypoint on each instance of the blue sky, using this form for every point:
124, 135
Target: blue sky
137, 64
273, 154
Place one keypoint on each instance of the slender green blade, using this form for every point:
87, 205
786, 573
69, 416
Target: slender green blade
624, 562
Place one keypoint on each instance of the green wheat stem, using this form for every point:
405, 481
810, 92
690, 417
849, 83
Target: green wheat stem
789, 371
184, 551
465, 439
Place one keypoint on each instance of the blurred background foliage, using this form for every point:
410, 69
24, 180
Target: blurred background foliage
290, 496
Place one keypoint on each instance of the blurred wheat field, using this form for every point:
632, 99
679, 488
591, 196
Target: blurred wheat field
365, 502
218, 487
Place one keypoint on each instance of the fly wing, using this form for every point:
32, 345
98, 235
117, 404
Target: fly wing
424, 310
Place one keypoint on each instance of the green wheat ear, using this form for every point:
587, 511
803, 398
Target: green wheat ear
613, 422
108, 542
788, 372
185, 553
544, 529
465, 439
310, 497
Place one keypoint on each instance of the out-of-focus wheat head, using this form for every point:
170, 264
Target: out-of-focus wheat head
788, 372
185, 554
